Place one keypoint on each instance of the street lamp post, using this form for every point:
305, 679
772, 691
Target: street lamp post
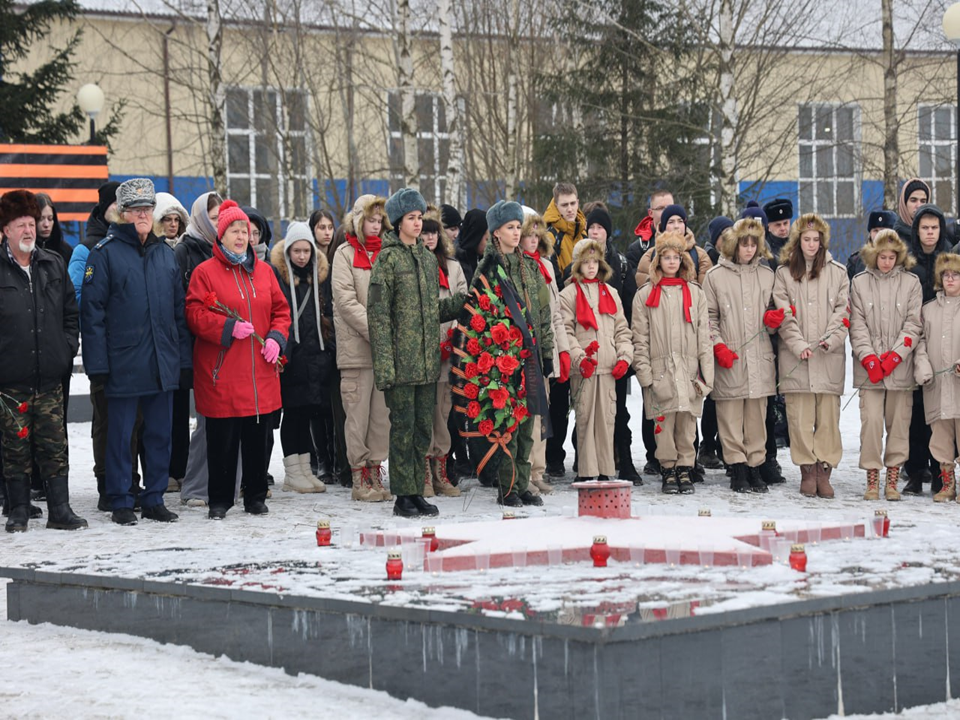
951, 29
90, 99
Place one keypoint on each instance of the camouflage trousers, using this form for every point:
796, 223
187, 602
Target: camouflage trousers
46, 441
411, 430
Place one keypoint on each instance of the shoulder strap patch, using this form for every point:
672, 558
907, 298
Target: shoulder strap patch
103, 242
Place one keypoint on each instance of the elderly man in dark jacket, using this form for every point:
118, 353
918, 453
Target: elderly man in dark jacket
38, 314
136, 342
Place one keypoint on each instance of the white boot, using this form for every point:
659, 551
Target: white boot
307, 472
293, 480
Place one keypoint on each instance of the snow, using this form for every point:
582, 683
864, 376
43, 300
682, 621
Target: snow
278, 553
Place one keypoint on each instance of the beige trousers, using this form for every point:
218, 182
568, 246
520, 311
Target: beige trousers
944, 439
596, 411
367, 427
881, 410
538, 455
675, 440
743, 430
814, 426
440, 441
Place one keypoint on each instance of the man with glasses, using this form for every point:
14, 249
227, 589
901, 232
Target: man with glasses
135, 343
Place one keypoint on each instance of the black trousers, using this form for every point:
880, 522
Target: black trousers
771, 423
559, 409
920, 458
709, 426
180, 434
225, 437
296, 435
338, 420
622, 435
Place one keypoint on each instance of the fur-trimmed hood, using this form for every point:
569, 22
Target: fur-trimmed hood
745, 227
167, 204
533, 224
945, 261
585, 250
805, 222
680, 244
278, 260
366, 206
886, 240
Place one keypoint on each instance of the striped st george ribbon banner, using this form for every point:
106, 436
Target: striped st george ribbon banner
69, 174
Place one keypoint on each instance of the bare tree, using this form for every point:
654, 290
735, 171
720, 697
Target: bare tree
455, 189
218, 161
408, 100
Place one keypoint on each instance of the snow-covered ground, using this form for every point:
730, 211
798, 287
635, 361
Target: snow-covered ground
278, 552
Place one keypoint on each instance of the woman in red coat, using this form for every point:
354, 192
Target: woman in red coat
239, 316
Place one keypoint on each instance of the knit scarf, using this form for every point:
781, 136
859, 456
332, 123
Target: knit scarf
606, 305
654, 299
543, 267
365, 254
444, 282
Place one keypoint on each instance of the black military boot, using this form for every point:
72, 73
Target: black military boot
708, 458
739, 482
18, 504
625, 468
425, 508
685, 479
60, 515
668, 477
757, 484
511, 499
770, 472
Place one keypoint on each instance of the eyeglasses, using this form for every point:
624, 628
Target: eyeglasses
949, 275
140, 211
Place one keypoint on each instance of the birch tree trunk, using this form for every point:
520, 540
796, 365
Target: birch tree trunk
513, 151
729, 186
408, 100
217, 95
455, 193
891, 142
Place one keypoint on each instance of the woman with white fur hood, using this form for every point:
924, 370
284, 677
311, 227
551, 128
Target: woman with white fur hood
169, 219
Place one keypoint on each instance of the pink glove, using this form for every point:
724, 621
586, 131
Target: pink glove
271, 350
242, 330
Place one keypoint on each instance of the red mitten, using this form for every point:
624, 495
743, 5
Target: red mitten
890, 362
620, 369
773, 318
871, 363
586, 368
564, 366
724, 355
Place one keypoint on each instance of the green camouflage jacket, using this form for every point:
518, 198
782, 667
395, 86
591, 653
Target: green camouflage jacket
404, 312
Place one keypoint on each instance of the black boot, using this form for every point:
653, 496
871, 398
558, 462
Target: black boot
757, 484
709, 459
18, 504
669, 479
511, 499
60, 515
685, 479
625, 468
770, 472
528, 498
103, 503
739, 482
914, 484
424, 507
404, 507
652, 467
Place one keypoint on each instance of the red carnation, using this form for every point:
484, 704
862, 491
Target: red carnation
485, 427
525, 353
485, 362
484, 302
506, 311
24, 431
513, 427
487, 341
846, 322
793, 311
657, 430
660, 418
471, 391
592, 348
471, 370
516, 335
520, 412
473, 347
907, 341
473, 409
499, 333
498, 291
522, 392
505, 345
210, 299
507, 364
478, 323
485, 380
498, 397
23, 407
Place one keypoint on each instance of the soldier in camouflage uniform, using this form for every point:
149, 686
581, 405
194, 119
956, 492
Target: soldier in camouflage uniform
40, 322
404, 312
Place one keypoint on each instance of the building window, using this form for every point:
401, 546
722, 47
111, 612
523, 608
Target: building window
828, 168
937, 136
267, 153
433, 143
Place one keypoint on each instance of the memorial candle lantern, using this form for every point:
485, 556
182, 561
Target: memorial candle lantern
509, 515
431, 533
769, 526
394, 565
798, 557
704, 512
323, 533
600, 551
886, 521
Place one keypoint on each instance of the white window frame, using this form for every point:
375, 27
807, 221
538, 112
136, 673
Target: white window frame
434, 134
930, 145
815, 143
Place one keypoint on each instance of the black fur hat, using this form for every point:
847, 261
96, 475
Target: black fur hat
17, 204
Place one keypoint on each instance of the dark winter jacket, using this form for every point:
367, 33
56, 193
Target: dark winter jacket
855, 265
40, 321
775, 245
132, 313
471, 233
618, 280
925, 261
56, 243
190, 252
304, 379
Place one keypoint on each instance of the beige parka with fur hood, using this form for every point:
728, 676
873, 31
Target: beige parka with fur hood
884, 310
533, 224
737, 298
939, 348
613, 335
673, 359
349, 285
704, 262
821, 306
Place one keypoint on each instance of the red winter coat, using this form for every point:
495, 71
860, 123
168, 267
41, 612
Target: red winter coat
230, 376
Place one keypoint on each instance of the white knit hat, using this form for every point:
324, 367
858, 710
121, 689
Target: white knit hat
298, 231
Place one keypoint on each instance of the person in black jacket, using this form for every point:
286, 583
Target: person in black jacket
878, 220
472, 241
779, 215
39, 317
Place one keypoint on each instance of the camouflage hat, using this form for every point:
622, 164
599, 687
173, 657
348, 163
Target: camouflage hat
136, 193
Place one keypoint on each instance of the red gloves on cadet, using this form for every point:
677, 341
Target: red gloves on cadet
586, 368
564, 367
871, 363
724, 355
773, 318
620, 369
889, 362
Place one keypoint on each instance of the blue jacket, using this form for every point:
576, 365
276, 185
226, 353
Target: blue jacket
78, 263
132, 315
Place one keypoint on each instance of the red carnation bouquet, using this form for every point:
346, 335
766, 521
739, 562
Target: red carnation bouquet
21, 408
212, 302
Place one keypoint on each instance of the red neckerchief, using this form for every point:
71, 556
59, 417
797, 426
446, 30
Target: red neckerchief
365, 254
543, 268
644, 229
654, 299
585, 315
444, 283
607, 305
